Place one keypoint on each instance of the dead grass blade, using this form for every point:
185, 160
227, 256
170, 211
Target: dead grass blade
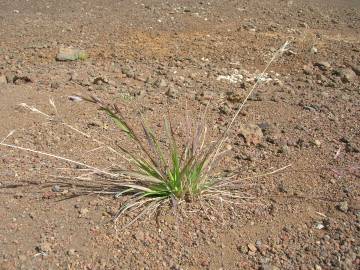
58, 157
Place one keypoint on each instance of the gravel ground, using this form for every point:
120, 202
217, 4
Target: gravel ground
154, 56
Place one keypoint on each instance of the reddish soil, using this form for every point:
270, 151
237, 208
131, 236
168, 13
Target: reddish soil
154, 55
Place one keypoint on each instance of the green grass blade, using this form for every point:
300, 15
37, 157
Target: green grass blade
119, 122
155, 147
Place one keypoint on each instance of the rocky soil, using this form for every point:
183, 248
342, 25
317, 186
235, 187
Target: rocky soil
153, 56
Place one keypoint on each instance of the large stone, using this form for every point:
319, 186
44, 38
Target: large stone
252, 133
3, 79
161, 83
307, 70
19, 79
343, 206
347, 75
128, 72
323, 65
355, 203
252, 247
356, 69
269, 267
71, 54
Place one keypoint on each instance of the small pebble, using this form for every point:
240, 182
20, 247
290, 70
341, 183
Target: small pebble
83, 211
71, 252
314, 50
343, 206
252, 247
56, 188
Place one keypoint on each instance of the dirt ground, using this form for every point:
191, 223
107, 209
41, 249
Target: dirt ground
151, 56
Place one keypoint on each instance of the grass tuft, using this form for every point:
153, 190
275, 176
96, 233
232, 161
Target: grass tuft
161, 173
157, 175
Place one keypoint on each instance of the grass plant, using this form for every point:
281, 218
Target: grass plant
173, 172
